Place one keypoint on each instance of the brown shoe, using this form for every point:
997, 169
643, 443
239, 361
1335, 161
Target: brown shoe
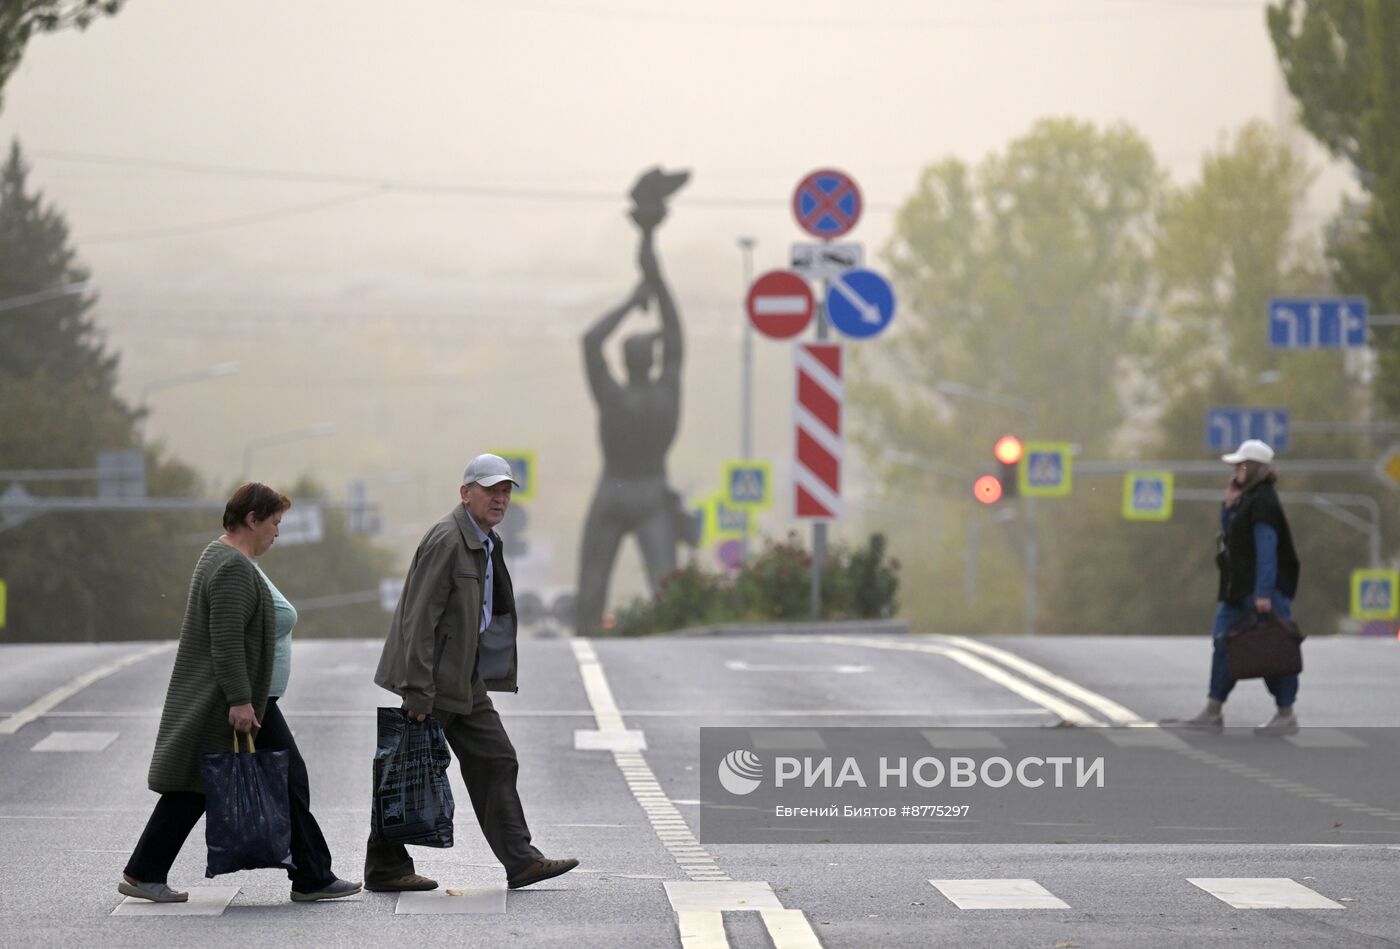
407, 882
541, 869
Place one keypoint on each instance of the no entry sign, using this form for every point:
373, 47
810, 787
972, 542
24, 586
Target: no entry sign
780, 304
827, 203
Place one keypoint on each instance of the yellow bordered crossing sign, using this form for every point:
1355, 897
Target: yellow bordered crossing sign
1046, 470
748, 483
1147, 495
522, 469
1373, 594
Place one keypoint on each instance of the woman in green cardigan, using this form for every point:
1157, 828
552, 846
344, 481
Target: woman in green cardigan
230, 668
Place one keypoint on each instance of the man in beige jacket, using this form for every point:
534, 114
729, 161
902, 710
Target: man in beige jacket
451, 640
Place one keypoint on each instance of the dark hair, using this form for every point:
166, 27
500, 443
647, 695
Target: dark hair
256, 498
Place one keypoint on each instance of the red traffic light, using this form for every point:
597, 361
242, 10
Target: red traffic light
987, 489
1007, 450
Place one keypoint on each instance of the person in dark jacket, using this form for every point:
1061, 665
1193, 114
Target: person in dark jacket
1258, 572
451, 641
223, 682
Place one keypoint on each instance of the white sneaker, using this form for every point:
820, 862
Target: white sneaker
1280, 724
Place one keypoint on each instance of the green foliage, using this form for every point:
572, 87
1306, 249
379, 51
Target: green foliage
1150, 309
105, 575
774, 585
1342, 62
21, 19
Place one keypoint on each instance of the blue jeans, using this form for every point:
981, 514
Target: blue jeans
1283, 688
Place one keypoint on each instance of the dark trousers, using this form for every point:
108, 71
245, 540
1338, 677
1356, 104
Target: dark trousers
489, 768
177, 812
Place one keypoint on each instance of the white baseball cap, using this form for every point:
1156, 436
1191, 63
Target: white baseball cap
1250, 450
487, 470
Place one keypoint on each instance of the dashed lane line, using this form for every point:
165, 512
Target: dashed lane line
699, 901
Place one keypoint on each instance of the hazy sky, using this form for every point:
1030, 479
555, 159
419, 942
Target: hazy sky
326, 189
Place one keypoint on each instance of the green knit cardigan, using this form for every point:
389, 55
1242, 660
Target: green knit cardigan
224, 659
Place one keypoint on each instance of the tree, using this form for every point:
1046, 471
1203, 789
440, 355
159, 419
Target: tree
1341, 59
1226, 243
1130, 347
21, 19
1019, 279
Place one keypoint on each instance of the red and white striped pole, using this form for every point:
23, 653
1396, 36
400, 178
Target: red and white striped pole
819, 442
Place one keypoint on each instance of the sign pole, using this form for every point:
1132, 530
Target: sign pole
1032, 567
746, 408
819, 527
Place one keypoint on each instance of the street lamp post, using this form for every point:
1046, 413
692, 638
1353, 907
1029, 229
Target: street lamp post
746, 244
212, 372
311, 431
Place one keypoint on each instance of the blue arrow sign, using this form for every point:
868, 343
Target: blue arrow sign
1227, 426
860, 303
1317, 322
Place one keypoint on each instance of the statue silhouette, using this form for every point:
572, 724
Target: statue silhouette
637, 422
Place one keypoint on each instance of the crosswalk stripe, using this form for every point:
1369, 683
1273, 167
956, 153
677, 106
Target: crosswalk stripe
789, 929
75, 741
702, 930
450, 901
1263, 893
998, 894
203, 901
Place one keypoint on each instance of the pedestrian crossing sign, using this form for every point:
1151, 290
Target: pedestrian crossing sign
522, 469
1147, 495
748, 483
725, 521
1045, 470
1373, 594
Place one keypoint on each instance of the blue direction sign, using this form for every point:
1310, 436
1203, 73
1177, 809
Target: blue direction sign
827, 203
1227, 426
860, 303
1317, 322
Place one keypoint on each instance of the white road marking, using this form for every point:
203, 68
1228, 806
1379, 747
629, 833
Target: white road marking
688, 896
625, 740
66, 691
702, 930
998, 894
452, 901
1109, 709
1263, 893
789, 929
204, 901
75, 741
988, 670
698, 901
739, 665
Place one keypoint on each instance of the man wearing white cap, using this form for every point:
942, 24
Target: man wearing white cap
1258, 571
451, 640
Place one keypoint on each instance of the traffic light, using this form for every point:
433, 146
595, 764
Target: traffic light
1008, 453
991, 488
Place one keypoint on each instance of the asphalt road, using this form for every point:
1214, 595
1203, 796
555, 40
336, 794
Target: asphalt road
68, 818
